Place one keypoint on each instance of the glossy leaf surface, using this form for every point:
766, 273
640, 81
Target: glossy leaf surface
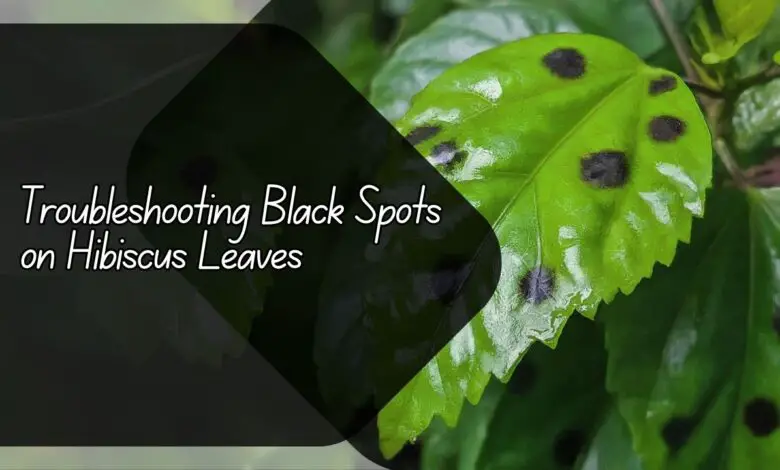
450, 40
542, 420
757, 116
565, 143
694, 352
629, 22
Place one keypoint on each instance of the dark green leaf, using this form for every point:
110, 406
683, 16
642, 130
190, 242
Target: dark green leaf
418, 14
584, 180
352, 50
612, 448
450, 40
542, 420
630, 22
757, 116
694, 352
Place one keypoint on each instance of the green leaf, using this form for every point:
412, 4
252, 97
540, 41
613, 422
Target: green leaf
418, 14
708, 41
757, 55
612, 447
738, 23
517, 140
744, 20
352, 50
694, 352
757, 116
629, 22
450, 40
541, 420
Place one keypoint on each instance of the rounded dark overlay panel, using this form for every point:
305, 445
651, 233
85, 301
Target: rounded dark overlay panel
316, 261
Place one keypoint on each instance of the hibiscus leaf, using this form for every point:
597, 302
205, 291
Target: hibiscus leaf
588, 163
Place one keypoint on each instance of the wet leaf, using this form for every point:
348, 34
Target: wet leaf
694, 351
450, 40
757, 116
571, 148
541, 420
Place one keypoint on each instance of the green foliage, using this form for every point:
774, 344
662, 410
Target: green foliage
757, 55
534, 422
612, 448
732, 26
694, 351
568, 217
352, 50
629, 22
757, 116
452, 39
744, 20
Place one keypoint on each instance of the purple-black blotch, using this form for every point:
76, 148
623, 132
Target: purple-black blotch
566, 63
605, 169
662, 85
421, 134
446, 153
666, 128
537, 285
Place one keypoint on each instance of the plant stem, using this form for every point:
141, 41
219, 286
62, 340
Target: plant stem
704, 89
678, 41
759, 79
722, 149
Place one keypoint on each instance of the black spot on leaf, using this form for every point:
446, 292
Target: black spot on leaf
761, 417
523, 378
666, 128
537, 285
199, 171
566, 63
568, 446
662, 85
446, 153
677, 431
421, 134
605, 169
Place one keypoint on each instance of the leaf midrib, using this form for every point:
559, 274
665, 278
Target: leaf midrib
542, 161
